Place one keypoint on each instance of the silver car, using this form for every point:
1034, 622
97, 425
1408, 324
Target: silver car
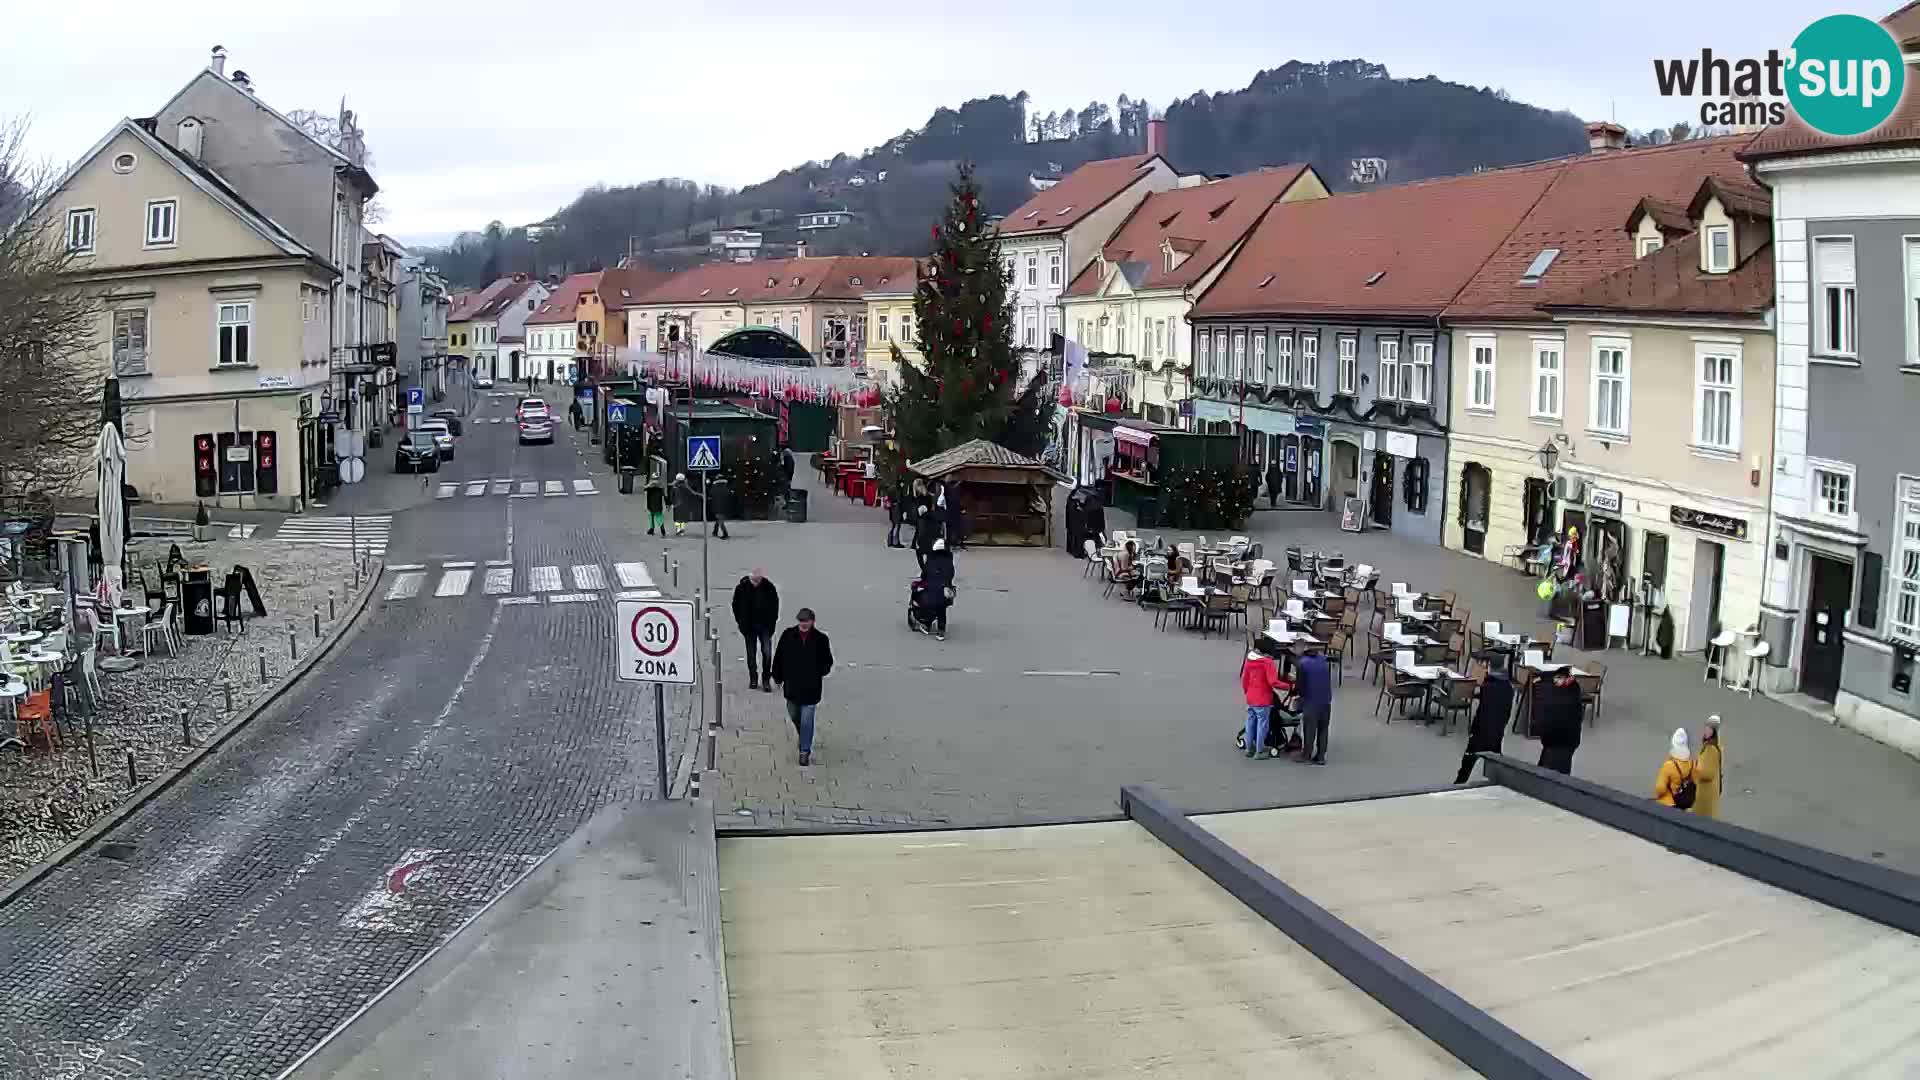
536, 425
442, 436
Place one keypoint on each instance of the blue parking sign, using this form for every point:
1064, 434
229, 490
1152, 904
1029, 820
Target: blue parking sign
703, 452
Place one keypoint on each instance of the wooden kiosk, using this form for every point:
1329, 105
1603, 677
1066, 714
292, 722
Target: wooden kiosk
1008, 497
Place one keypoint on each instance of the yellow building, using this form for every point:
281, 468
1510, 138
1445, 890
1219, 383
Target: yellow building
214, 319
819, 301
889, 325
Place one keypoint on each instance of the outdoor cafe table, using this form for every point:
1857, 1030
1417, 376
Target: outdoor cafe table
25, 637
138, 616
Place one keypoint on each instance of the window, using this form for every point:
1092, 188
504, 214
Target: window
130, 342
1053, 268
1310, 360
884, 335
1009, 265
1160, 336
1119, 337
1240, 355
1719, 248
124, 163
1202, 360
1833, 284
1418, 376
1537, 269
1832, 491
1716, 424
1610, 386
80, 231
236, 332
1283, 359
906, 327
1033, 321
1546, 379
160, 221
1650, 244
1033, 272
1913, 301
1080, 331
1905, 623
1221, 367
1389, 368
1480, 368
1349, 364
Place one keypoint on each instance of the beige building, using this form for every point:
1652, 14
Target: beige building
214, 318
1650, 391
819, 301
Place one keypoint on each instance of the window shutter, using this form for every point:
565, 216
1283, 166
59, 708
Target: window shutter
1833, 262
1868, 611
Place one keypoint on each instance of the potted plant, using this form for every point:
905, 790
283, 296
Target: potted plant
202, 524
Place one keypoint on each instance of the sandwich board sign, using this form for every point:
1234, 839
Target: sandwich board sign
703, 452
654, 641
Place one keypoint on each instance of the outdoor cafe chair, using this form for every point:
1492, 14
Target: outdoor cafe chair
162, 629
1337, 653
1379, 655
1293, 560
1215, 608
1592, 684
1401, 687
1456, 699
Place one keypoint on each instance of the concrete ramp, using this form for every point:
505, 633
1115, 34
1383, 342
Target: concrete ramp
604, 962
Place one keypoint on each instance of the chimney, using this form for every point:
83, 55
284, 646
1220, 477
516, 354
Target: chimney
219, 64
1603, 135
188, 141
241, 80
1157, 135
800, 250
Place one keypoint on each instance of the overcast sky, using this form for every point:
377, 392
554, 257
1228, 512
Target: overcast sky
484, 110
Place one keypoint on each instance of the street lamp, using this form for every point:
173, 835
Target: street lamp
1549, 455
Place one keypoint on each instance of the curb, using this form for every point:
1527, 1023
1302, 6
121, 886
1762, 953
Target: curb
153, 788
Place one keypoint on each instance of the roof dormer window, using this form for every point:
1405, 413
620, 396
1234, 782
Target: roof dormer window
771, 282
796, 282
1374, 278
1067, 209
1648, 245
704, 292
735, 291
1719, 244
854, 280
1537, 269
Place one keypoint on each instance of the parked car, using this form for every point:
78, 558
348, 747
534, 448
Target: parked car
452, 417
415, 451
441, 433
481, 379
536, 426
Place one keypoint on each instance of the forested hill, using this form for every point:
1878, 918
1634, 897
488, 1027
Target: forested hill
1327, 114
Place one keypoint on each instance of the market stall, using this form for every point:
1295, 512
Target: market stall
1008, 497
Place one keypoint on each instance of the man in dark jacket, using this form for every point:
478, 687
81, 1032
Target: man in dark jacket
896, 517
1274, 479
656, 509
930, 593
801, 661
926, 530
1490, 715
1559, 728
718, 492
756, 611
1316, 707
786, 471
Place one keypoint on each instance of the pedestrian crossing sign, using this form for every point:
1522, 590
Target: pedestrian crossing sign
703, 451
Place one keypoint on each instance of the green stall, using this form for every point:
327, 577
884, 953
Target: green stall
1146, 457
749, 452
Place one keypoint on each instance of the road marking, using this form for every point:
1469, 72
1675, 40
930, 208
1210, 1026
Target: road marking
476, 487
468, 565
396, 567
501, 487
496, 419
529, 487
518, 600
634, 575
585, 487
544, 579
588, 576
241, 532
499, 562
445, 491
454, 583
499, 580
406, 586
638, 594
555, 487
572, 597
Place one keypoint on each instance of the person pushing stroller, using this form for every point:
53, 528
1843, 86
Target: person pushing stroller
932, 594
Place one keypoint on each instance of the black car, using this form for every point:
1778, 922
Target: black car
452, 417
415, 451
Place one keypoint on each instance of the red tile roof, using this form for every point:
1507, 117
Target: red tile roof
1427, 238
818, 277
561, 304
473, 305
623, 287
1670, 282
1204, 222
1901, 128
1078, 194
1581, 213
504, 299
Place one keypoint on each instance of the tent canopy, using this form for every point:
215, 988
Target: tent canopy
983, 457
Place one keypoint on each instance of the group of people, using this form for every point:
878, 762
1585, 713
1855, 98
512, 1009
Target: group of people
800, 662
687, 504
1266, 690
933, 516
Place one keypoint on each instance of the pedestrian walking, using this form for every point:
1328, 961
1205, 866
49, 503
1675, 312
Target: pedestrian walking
756, 611
1274, 479
926, 530
1489, 722
686, 503
786, 471
718, 492
1260, 685
656, 508
1561, 709
801, 663
896, 517
1316, 707
574, 416
956, 521
1676, 786
1709, 771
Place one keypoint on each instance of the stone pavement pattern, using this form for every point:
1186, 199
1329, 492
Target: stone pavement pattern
1046, 698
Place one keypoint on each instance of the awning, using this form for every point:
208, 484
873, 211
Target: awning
1133, 436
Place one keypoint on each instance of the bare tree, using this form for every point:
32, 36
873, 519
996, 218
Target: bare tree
327, 130
50, 378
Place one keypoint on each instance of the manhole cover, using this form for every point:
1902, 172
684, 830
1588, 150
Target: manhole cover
117, 850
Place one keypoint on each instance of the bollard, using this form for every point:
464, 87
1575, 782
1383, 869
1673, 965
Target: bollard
293, 644
719, 689
226, 687
699, 605
663, 560
316, 622
133, 774
676, 573
93, 756
330, 612
262, 650
186, 729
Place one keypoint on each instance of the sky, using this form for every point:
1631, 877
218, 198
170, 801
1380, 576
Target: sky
489, 110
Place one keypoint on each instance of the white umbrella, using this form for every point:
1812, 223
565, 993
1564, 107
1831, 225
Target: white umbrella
113, 522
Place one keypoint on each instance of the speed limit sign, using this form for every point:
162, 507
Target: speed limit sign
654, 640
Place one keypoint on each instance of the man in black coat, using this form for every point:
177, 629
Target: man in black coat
756, 611
1490, 715
718, 493
896, 517
1274, 479
1561, 710
786, 471
801, 662
926, 530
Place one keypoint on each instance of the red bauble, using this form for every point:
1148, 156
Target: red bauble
936, 232
1113, 405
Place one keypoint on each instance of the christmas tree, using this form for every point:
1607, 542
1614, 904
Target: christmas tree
967, 387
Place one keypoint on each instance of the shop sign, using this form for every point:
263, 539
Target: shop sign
1607, 499
1309, 425
1705, 521
1403, 444
276, 382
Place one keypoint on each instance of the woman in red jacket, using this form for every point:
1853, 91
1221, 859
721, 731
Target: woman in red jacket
1260, 682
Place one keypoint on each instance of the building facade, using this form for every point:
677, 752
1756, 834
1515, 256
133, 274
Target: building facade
820, 301
890, 326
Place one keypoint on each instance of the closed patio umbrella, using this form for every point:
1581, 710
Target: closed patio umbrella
112, 473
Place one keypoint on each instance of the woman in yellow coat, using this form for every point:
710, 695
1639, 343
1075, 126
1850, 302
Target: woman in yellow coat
1677, 769
1709, 774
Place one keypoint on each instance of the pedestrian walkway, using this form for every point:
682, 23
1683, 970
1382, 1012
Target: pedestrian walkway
578, 583
367, 534
514, 488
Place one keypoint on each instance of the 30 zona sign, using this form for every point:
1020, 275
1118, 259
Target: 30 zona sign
653, 641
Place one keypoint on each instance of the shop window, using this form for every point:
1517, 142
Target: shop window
1872, 567
1653, 560
1414, 481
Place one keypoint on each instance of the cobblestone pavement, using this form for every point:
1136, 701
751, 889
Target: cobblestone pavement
1046, 698
47, 799
438, 753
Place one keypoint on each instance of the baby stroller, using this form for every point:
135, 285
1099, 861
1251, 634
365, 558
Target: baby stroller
1283, 723
923, 617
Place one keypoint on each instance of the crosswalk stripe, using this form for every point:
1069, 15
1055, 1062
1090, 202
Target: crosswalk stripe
555, 487
588, 576
476, 487
406, 586
544, 579
637, 594
454, 583
445, 491
633, 575
572, 597
368, 533
529, 487
499, 580
463, 565
585, 487
501, 487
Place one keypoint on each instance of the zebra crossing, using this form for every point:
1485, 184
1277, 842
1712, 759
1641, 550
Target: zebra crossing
515, 489
366, 534
576, 583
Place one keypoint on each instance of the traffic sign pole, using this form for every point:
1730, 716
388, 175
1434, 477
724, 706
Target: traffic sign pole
653, 642
660, 735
